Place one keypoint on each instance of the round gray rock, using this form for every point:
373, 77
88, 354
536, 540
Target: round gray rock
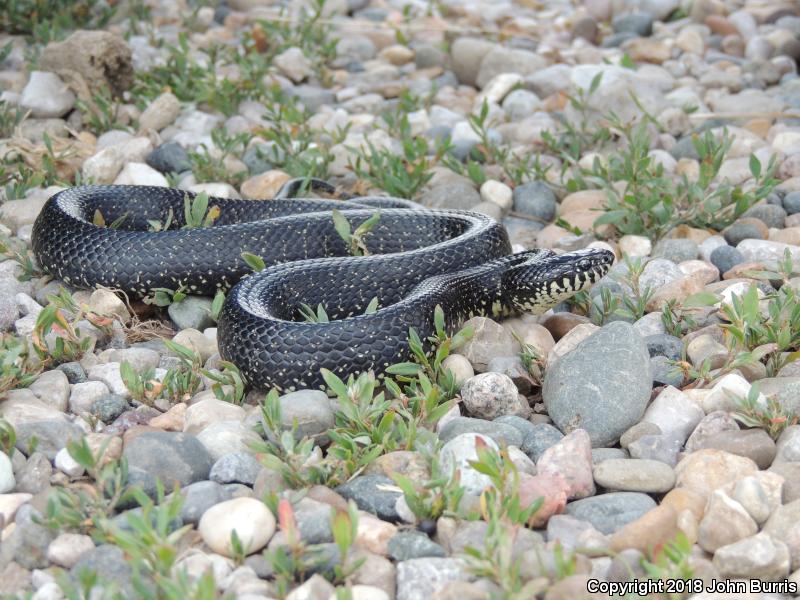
612, 511
172, 457
535, 198
193, 312
406, 545
236, 467
490, 395
602, 386
725, 258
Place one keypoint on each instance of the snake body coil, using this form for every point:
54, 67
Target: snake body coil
418, 259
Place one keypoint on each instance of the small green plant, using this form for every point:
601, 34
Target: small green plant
425, 371
101, 113
772, 417
208, 164
364, 416
320, 315
16, 370
228, 383
84, 509
150, 537
67, 343
344, 527
152, 543
164, 296
671, 562
143, 387
402, 175
502, 510
631, 304
438, 496
48, 20
181, 383
355, 239
652, 204
774, 333
580, 136
518, 167
254, 262
10, 118
196, 212
309, 315
296, 148
8, 437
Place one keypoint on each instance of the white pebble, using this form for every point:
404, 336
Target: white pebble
250, 518
68, 465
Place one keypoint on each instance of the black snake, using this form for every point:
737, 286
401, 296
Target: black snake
418, 259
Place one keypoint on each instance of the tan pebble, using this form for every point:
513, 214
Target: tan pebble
742, 270
706, 470
264, 185
583, 200
560, 324
172, 420
682, 499
657, 526
759, 126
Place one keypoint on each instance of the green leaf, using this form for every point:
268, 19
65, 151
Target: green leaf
217, 304
367, 225
181, 350
405, 368
253, 261
700, 299
595, 82
438, 319
627, 62
334, 383
372, 306
342, 226
611, 217
755, 166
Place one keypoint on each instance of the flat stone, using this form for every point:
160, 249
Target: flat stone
706, 470
420, 578
374, 494
175, 458
755, 444
571, 458
612, 511
756, 557
252, 521
635, 475
615, 363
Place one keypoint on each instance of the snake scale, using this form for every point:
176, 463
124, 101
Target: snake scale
418, 258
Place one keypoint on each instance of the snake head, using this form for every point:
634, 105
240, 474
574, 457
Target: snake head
541, 282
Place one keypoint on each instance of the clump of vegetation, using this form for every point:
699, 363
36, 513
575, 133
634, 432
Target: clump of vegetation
208, 164
653, 203
501, 508
16, 368
49, 20
402, 175
295, 147
771, 416
368, 422
671, 563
